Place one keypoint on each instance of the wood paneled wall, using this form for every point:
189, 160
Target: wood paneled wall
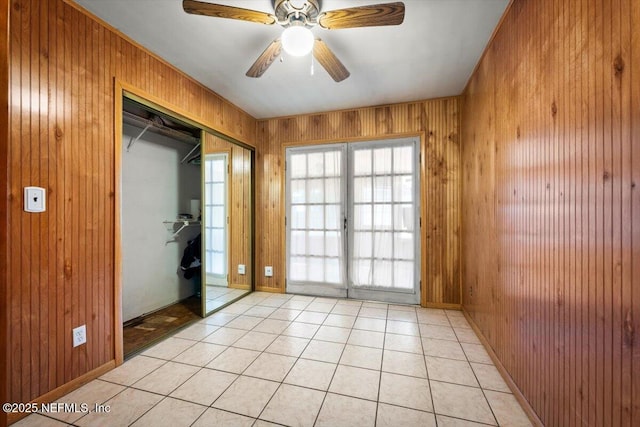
240, 200
437, 121
551, 206
59, 272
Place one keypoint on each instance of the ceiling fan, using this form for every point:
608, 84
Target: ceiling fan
297, 17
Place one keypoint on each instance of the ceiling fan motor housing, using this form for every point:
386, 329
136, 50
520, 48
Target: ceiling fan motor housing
289, 15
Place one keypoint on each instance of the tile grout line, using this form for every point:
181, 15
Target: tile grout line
315, 421
475, 376
210, 406
294, 363
426, 367
247, 367
166, 396
384, 340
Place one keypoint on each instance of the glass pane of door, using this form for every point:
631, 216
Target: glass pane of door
383, 221
216, 218
315, 220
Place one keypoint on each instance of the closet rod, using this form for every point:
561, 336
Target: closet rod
190, 152
151, 125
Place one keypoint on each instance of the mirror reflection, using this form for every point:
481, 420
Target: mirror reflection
226, 214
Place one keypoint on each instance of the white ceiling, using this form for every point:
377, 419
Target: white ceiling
432, 54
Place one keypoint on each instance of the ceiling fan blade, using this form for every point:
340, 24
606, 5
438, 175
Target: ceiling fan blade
363, 16
329, 61
265, 60
221, 11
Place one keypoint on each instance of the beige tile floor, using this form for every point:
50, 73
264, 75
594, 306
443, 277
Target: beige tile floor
303, 361
217, 296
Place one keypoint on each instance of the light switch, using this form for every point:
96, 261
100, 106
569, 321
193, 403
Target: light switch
241, 269
34, 199
268, 271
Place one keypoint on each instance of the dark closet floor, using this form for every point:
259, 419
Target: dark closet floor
142, 332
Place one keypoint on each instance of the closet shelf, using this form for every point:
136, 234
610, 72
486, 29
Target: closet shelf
155, 126
184, 223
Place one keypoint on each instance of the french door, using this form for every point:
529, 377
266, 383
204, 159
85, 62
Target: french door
352, 220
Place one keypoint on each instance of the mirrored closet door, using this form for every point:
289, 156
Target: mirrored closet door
227, 224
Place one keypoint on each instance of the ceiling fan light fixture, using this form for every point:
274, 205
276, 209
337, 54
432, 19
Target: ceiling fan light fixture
297, 40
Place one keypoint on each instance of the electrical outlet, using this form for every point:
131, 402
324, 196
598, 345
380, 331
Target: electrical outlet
268, 271
241, 269
79, 335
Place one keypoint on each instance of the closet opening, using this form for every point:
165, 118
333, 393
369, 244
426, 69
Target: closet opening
175, 227
160, 220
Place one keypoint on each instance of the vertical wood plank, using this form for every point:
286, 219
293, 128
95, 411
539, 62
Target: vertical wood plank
33, 162
25, 231
570, 363
631, 316
616, 80
5, 116
44, 225
572, 273
59, 200
584, 207
609, 178
51, 147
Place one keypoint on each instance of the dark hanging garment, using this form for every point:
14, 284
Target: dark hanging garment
190, 263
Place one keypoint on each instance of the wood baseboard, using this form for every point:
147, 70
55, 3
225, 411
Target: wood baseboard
533, 417
57, 393
271, 290
442, 305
